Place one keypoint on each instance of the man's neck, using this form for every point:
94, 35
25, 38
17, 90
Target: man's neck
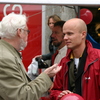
78, 52
61, 46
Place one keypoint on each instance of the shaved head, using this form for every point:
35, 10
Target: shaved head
75, 32
76, 23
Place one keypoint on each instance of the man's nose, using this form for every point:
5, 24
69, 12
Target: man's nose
65, 37
53, 34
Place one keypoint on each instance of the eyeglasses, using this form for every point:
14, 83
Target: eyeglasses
28, 31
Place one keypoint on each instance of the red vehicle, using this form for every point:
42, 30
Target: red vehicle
34, 14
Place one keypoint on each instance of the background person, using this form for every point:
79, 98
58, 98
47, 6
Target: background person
14, 81
57, 38
51, 20
80, 71
58, 41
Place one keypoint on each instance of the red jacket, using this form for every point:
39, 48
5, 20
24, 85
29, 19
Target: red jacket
90, 78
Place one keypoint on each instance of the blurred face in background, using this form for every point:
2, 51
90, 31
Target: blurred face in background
57, 36
51, 23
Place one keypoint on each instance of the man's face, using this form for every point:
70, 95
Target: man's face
57, 36
72, 36
24, 38
23, 44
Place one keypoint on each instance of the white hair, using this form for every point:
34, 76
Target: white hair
10, 24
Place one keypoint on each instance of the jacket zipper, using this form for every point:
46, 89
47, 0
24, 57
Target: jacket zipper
88, 73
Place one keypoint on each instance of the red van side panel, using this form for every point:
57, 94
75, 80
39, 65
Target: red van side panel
34, 13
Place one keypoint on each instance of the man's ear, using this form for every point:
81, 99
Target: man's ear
84, 34
19, 32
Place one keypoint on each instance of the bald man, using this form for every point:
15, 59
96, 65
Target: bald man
80, 71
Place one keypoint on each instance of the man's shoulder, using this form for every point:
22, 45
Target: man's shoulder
6, 51
95, 52
64, 60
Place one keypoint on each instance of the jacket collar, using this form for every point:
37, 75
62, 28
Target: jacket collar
10, 47
91, 52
